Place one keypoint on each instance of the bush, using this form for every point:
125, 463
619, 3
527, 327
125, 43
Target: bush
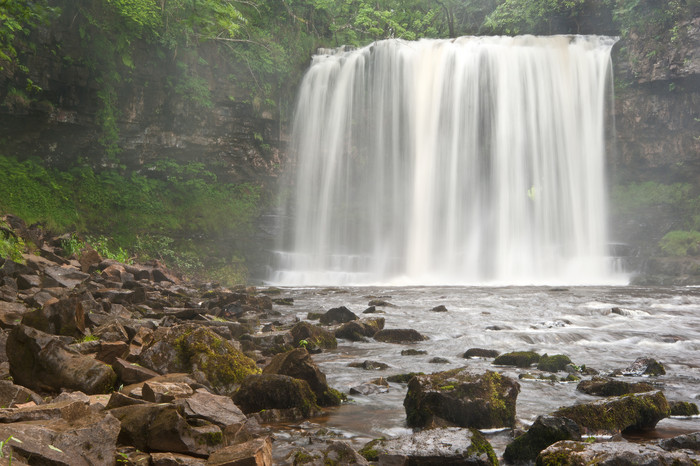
681, 243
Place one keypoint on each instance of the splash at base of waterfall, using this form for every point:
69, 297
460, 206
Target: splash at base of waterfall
479, 160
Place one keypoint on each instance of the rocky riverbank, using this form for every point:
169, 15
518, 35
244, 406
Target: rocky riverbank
112, 363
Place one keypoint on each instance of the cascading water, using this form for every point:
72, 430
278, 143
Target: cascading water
468, 161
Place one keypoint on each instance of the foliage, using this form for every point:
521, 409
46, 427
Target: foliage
534, 16
681, 243
650, 17
636, 196
11, 246
17, 18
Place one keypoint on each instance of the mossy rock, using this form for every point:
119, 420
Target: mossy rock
403, 378
554, 363
603, 386
480, 353
313, 335
616, 414
274, 391
517, 359
458, 397
684, 408
545, 431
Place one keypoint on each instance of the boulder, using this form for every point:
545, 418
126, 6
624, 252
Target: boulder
517, 359
42, 362
682, 442
198, 350
368, 388
357, 330
338, 315
570, 453
440, 308
683, 408
298, 364
433, 447
545, 431
173, 459
615, 414
110, 351
274, 391
64, 276
315, 336
65, 316
369, 365
130, 373
644, 367
256, 452
460, 398
603, 386
112, 332
12, 395
165, 392
11, 314
217, 409
86, 440
68, 410
554, 363
338, 452
479, 353
399, 335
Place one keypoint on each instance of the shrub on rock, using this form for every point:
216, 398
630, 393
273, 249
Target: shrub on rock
458, 397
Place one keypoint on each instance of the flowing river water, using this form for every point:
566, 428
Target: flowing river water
663, 323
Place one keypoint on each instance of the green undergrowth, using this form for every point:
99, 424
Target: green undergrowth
178, 213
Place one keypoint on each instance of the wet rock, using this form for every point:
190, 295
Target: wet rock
682, 442
356, 330
217, 409
256, 452
480, 353
603, 386
570, 453
298, 364
439, 308
315, 336
380, 303
399, 335
614, 415
458, 397
86, 440
12, 395
130, 373
173, 459
194, 349
368, 388
274, 391
64, 316
338, 452
338, 315
413, 352
433, 447
545, 431
644, 366
683, 408
165, 392
555, 363
438, 360
370, 310
42, 362
517, 358
273, 342
369, 365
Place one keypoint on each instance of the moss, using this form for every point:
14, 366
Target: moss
554, 363
369, 451
333, 397
213, 438
517, 358
684, 408
403, 378
301, 457
562, 457
479, 445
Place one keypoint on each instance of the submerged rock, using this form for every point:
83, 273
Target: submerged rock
570, 453
603, 386
442, 446
369, 365
545, 431
613, 415
458, 397
517, 359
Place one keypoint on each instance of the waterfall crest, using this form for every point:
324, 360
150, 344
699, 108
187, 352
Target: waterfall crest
469, 161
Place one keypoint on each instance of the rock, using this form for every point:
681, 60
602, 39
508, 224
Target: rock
64, 316
442, 446
87, 440
569, 453
357, 330
67, 410
369, 365
89, 258
554, 363
338, 315
338, 452
315, 336
644, 366
174, 459
42, 362
274, 391
112, 332
256, 452
398, 335
439, 360
545, 431
380, 303
160, 427
614, 415
65, 276
26, 282
110, 351
682, 442
11, 395
413, 352
217, 409
11, 314
368, 388
603, 386
370, 310
130, 373
194, 349
298, 364
480, 353
683, 408
403, 378
457, 397
517, 359
165, 392
118, 400
439, 308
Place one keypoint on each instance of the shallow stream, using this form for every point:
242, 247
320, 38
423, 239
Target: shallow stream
662, 323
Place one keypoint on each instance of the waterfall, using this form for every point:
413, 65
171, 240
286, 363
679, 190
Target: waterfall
469, 161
